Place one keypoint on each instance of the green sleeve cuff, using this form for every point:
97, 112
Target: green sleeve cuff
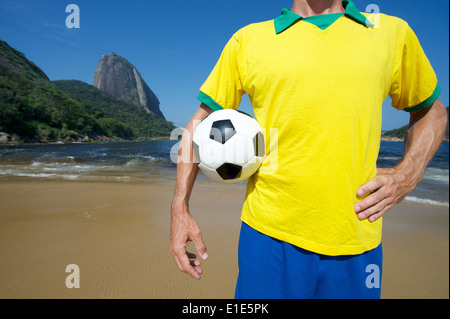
206, 99
427, 103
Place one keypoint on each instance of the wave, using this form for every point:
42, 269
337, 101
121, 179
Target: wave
48, 160
45, 175
426, 201
75, 168
390, 158
146, 160
436, 175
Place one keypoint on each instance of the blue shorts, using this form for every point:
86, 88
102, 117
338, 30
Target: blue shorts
273, 269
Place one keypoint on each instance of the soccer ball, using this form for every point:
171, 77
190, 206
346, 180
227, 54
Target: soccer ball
228, 145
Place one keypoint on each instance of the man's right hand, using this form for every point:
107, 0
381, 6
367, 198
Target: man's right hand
184, 230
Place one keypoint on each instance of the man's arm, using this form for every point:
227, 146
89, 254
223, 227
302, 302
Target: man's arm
391, 185
184, 228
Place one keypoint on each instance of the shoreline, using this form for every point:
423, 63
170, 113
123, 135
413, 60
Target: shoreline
399, 139
391, 139
118, 234
9, 139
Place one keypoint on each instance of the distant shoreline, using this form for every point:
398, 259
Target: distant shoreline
12, 139
398, 139
7, 139
391, 139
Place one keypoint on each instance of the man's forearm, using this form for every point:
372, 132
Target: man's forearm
187, 170
186, 176
425, 133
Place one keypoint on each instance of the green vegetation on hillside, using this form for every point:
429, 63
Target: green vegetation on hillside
102, 105
16, 62
39, 110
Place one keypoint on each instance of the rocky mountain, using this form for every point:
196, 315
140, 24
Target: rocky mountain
118, 77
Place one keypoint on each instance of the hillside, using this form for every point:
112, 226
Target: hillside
16, 62
102, 105
399, 133
33, 109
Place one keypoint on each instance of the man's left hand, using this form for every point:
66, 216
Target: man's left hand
384, 191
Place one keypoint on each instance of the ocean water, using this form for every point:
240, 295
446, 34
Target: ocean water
152, 162
118, 161
434, 186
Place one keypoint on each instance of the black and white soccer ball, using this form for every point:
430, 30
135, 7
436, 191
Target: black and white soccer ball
228, 145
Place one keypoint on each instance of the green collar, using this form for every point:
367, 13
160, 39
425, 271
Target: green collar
288, 18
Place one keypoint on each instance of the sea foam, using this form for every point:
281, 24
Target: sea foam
426, 201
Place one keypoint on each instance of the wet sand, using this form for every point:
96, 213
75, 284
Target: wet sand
118, 235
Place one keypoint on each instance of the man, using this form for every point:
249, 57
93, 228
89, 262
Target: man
319, 74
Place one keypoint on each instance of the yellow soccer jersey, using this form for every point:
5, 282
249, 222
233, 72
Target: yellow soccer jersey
320, 93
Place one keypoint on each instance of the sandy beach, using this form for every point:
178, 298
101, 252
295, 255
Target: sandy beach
118, 235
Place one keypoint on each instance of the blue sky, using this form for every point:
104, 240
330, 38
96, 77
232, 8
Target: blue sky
175, 44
